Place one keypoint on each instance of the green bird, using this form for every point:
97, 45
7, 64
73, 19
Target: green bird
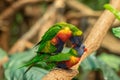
52, 42
54, 39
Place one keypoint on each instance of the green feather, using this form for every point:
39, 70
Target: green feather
51, 33
59, 57
35, 59
62, 56
46, 47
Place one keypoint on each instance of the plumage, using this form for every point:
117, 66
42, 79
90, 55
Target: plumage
60, 30
74, 29
73, 59
49, 49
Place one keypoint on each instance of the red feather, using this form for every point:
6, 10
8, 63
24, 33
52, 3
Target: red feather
73, 61
64, 34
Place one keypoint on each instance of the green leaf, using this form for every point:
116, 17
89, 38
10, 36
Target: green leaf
116, 31
90, 63
19, 17
2, 54
93, 63
111, 60
13, 73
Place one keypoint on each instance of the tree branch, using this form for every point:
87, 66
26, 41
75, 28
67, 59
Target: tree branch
92, 42
82, 8
99, 30
3, 60
20, 44
15, 7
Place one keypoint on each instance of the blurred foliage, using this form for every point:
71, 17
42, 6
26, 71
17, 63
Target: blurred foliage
2, 54
19, 18
99, 64
95, 4
105, 63
15, 30
12, 71
116, 31
112, 60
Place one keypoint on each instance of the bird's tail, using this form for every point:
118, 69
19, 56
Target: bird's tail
32, 62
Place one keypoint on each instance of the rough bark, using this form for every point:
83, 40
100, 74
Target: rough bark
92, 42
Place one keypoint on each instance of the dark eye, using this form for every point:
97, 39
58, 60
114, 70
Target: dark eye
83, 46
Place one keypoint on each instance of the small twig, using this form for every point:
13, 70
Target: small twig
82, 8
92, 42
98, 32
29, 44
15, 7
45, 27
109, 40
5, 19
116, 23
55, 13
35, 28
79, 15
106, 43
4, 59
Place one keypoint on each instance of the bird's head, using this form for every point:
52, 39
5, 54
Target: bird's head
74, 29
83, 48
80, 50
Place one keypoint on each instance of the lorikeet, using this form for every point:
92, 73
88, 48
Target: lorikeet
73, 59
54, 39
52, 43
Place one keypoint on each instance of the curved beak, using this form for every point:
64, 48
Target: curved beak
85, 49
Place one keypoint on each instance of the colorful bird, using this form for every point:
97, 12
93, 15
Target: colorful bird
73, 59
55, 38
49, 49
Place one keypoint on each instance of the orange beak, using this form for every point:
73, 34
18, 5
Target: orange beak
85, 49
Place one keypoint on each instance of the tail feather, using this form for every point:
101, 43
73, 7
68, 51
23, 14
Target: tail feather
28, 69
33, 60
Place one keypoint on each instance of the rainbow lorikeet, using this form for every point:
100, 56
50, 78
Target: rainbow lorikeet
54, 39
49, 49
73, 59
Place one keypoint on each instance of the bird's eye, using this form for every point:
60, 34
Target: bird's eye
83, 46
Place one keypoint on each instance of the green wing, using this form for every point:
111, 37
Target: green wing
57, 27
47, 37
59, 57
63, 56
51, 33
34, 60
